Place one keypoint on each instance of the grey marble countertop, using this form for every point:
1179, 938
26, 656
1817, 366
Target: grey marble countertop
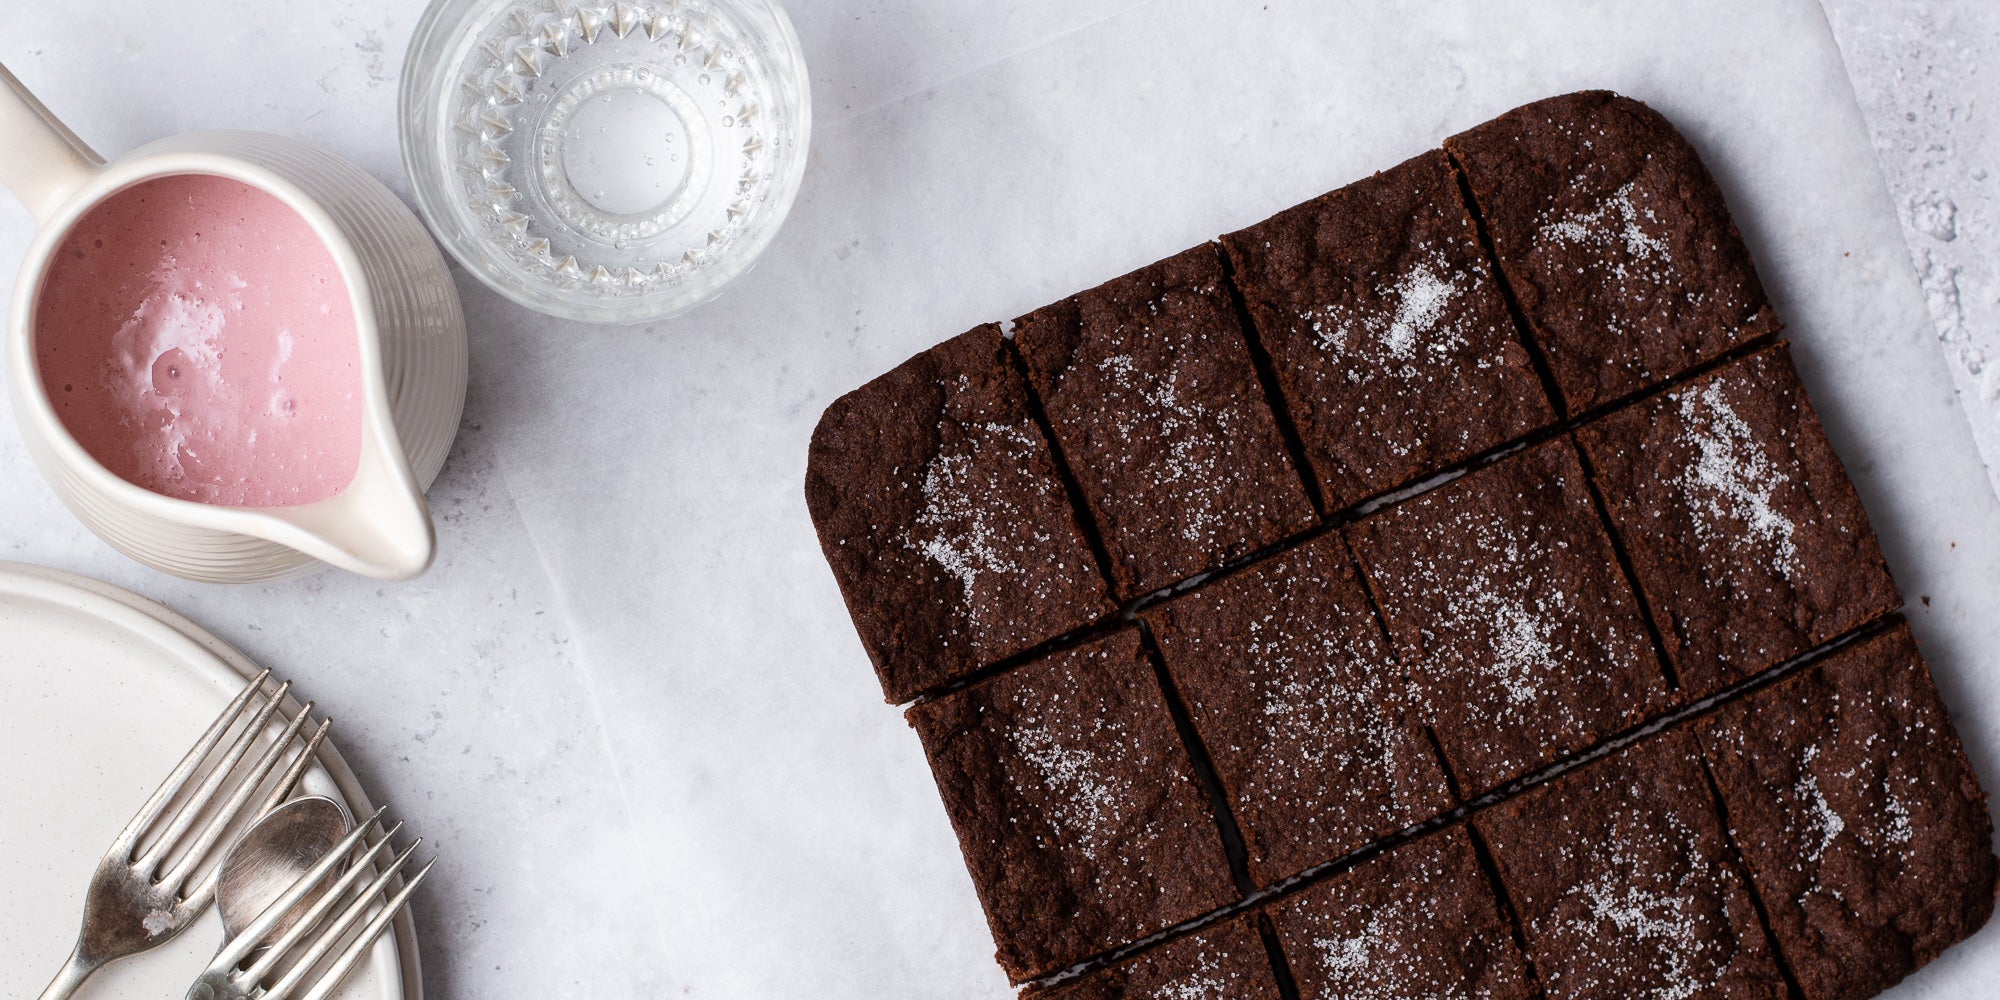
583, 704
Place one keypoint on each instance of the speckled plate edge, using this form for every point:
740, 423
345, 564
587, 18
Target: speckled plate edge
358, 802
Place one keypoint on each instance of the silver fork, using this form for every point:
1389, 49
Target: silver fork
140, 896
300, 962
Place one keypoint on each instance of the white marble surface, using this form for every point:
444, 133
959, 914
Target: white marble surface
627, 704
1916, 71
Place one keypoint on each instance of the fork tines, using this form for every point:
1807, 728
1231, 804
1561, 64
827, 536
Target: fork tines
316, 952
191, 819
160, 871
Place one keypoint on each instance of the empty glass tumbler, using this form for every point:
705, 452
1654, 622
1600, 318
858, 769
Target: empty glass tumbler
605, 162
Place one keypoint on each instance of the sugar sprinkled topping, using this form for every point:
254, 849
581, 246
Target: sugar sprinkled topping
961, 539
1072, 771
1522, 646
1420, 300
1617, 237
1497, 596
1647, 910
1287, 669
1416, 922
1080, 756
1069, 784
1496, 584
1324, 717
1206, 981
1899, 831
1371, 964
1338, 688
1827, 824
1843, 751
1614, 222
1639, 914
1335, 708
1416, 331
971, 524
1192, 433
1732, 481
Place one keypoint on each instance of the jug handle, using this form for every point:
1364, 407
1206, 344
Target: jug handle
41, 160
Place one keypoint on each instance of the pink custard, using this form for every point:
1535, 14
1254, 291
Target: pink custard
197, 340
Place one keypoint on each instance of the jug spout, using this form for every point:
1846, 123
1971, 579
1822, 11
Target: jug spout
379, 526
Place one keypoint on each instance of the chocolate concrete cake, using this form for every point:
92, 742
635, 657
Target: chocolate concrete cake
1614, 239
1302, 707
1223, 961
1865, 832
1625, 883
1745, 534
1508, 605
1077, 809
1149, 387
1387, 333
1441, 588
1418, 922
944, 519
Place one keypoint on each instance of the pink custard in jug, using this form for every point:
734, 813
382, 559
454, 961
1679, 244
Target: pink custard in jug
196, 338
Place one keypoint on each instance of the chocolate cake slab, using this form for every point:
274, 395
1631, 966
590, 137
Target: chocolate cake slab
941, 513
1865, 831
1197, 443
1615, 241
1075, 804
1416, 923
1512, 615
1225, 961
1151, 393
1745, 534
1302, 707
1625, 885
1388, 336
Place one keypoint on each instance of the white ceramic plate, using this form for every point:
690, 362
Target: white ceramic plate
101, 692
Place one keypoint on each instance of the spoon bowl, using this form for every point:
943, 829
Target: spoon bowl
272, 855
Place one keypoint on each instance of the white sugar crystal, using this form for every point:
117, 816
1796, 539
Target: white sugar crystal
1206, 981
1372, 965
963, 541
1495, 598
1900, 831
1087, 792
1827, 824
1614, 222
1421, 296
964, 525
1523, 646
1643, 915
1189, 431
1414, 333
1339, 717
1732, 481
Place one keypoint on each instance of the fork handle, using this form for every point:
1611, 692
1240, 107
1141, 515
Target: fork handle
70, 979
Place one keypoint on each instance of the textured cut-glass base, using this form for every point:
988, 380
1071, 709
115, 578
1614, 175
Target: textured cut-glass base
607, 152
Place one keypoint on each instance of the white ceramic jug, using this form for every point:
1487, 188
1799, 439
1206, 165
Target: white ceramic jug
408, 321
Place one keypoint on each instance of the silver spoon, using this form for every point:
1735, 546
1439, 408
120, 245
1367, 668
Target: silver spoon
272, 855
